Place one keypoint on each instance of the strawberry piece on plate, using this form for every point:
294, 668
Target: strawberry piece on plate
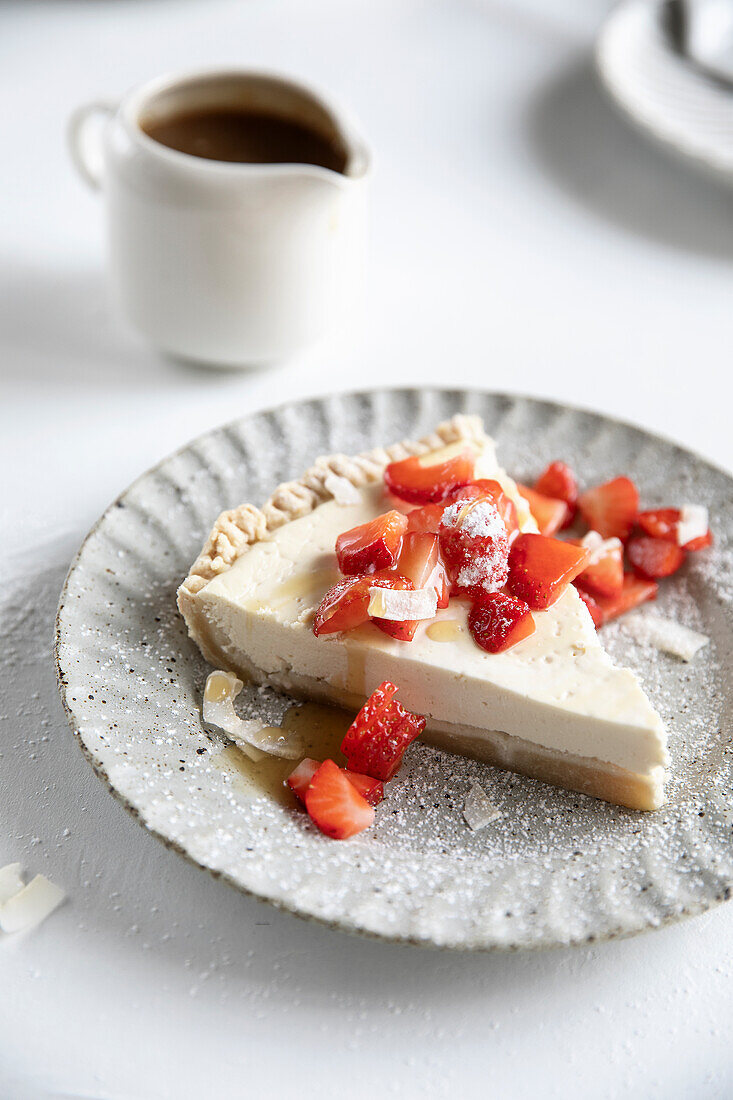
475, 546
346, 605
596, 613
635, 591
486, 487
370, 789
664, 523
299, 781
540, 568
652, 558
559, 482
604, 573
425, 519
300, 778
377, 738
498, 622
550, 515
660, 523
335, 805
611, 509
429, 478
371, 546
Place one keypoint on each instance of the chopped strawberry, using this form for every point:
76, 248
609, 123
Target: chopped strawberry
595, 611
549, 514
663, 523
486, 487
540, 568
377, 738
652, 558
299, 781
498, 622
475, 546
371, 546
335, 805
424, 519
421, 563
634, 592
660, 523
611, 508
346, 605
370, 789
559, 482
604, 574
300, 778
419, 481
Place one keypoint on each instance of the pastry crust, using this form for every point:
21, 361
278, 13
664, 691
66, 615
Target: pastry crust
239, 528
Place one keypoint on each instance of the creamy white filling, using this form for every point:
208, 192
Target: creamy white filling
692, 524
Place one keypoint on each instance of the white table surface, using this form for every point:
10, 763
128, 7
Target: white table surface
524, 237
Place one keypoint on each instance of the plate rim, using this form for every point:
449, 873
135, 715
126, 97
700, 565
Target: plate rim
706, 160
543, 943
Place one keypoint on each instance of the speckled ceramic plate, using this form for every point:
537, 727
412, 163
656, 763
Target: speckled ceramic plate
555, 867
664, 93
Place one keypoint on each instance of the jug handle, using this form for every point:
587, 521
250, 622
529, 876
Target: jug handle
85, 146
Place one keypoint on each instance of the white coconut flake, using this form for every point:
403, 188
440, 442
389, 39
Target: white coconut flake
341, 489
647, 628
402, 606
600, 547
30, 905
478, 810
692, 524
252, 736
11, 882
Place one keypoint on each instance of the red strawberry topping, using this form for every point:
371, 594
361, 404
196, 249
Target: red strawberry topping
426, 518
418, 481
660, 523
549, 514
611, 508
299, 780
596, 613
420, 562
346, 605
486, 487
497, 621
652, 558
335, 805
559, 482
540, 568
475, 546
377, 738
604, 574
371, 546
663, 523
634, 592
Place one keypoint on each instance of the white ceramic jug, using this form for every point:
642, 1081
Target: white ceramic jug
219, 262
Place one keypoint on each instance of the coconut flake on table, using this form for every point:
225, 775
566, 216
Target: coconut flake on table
478, 809
251, 735
692, 524
30, 905
647, 628
341, 489
11, 882
403, 605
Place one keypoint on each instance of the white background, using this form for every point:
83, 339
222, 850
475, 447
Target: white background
524, 237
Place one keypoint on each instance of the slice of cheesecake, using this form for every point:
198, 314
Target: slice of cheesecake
553, 707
